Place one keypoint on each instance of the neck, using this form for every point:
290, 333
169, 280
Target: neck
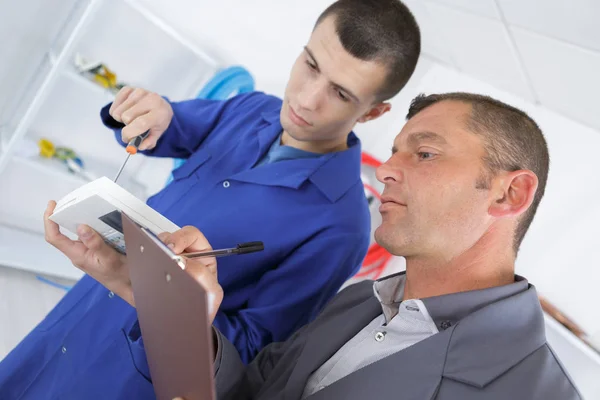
480, 267
319, 146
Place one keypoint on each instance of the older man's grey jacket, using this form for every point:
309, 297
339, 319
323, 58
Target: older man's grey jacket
498, 352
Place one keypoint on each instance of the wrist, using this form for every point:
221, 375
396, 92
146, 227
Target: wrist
124, 290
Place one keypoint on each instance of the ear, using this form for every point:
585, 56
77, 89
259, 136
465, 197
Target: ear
516, 191
375, 112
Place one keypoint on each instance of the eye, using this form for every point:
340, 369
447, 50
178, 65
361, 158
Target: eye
311, 65
425, 155
342, 96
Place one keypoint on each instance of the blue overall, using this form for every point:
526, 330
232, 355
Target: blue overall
237, 185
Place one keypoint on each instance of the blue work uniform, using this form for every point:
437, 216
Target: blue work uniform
237, 185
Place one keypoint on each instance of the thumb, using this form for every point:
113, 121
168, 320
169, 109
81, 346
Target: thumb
86, 234
93, 241
149, 143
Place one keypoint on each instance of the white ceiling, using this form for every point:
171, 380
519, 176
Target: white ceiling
545, 51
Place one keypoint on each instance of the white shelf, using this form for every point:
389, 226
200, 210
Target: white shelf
30, 251
62, 105
49, 169
28, 186
42, 91
144, 51
45, 180
71, 72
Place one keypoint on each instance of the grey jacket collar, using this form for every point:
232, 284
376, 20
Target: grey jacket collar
447, 309
475, 350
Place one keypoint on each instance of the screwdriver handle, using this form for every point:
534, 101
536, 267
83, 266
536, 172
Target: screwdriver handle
134, 144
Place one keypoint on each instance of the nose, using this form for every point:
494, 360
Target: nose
389, 172
309, 97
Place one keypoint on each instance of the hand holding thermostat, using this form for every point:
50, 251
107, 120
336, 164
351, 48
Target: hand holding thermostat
91, 255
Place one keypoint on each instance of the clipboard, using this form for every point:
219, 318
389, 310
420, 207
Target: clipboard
173, 316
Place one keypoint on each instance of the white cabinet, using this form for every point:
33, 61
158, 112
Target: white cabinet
43, 96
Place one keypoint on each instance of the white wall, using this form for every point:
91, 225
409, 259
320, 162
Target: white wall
265, 36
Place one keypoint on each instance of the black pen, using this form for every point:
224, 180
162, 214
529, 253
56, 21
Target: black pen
242, 248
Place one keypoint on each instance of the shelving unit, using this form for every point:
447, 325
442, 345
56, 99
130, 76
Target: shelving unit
63, 106
70, 72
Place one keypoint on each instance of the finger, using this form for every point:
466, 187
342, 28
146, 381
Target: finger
210, 263
209, 282
149, 142
134, 97
136, 110
73, 250
138, 126
49, 209
164, 236
119, 99
188, 238
93, 241
50, 228
207, 263
204, 270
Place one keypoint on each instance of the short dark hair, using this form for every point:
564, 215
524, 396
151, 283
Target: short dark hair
512, 141
379, 30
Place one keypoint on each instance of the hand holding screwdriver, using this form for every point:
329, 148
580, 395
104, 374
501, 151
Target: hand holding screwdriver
142, 112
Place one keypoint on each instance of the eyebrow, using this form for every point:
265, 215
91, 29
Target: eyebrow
314, 60
418, 137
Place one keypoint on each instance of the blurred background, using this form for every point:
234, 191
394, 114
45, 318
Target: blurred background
62, 60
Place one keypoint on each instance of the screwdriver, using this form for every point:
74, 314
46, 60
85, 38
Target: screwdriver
132, 148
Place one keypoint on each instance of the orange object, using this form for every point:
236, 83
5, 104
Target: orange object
131, 149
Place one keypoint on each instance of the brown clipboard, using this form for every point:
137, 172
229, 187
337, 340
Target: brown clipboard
173, 317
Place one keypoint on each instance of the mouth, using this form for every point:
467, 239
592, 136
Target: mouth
296, 119
387, 199
389, 203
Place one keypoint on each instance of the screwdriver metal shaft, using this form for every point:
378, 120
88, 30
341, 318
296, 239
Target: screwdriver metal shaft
132, 148
121, 169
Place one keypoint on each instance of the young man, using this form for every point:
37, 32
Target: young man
284, 172
462, 186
